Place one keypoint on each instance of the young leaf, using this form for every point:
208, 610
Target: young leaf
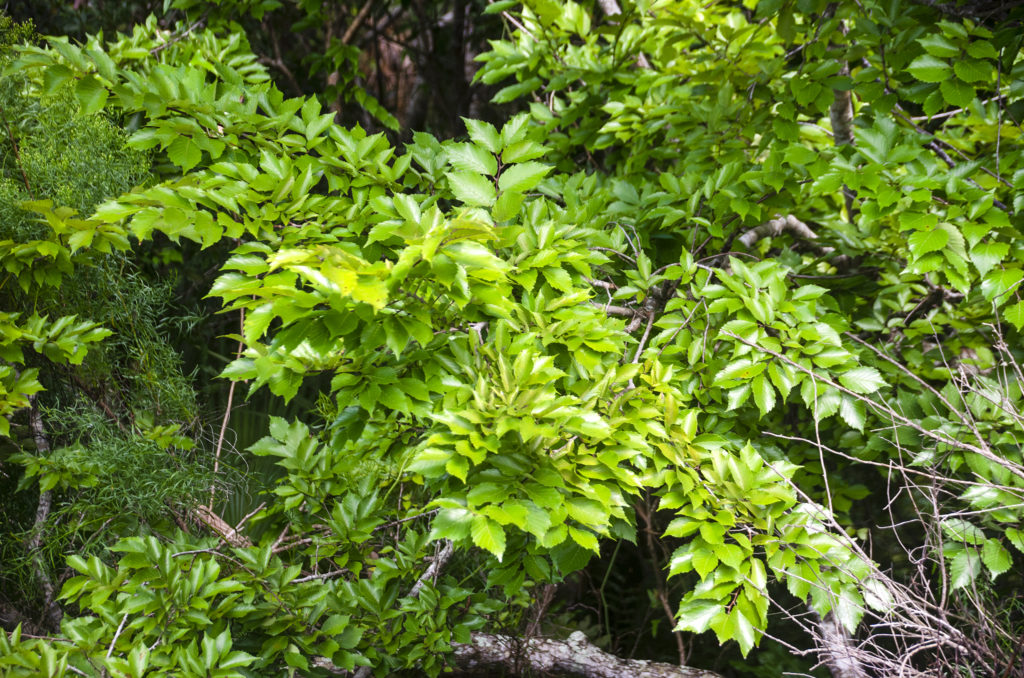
996, 558
964, 568
472, 158
522, 177
956, 92
488, 535
91, 94
862, 380
764, 394
927, 68
922, 242
484, 134
472, 189
184, 152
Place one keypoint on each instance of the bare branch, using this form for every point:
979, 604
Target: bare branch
575, 656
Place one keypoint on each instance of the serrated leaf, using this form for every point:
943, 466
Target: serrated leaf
55, 77
764, 394
928, 68
184, 152
973, 70
484, 134
918, 221
956, 92
697, 615
522, 177
853, 412
964, 568
451, 524
472, 189
488, 535
938, 45
848, 608
704, 561
922, 242
877, 596
745, 632
521, 151
1015, 315
1016, 538
982, 49
91, 94
472, 158
507, 206
986, 255
996, 558
961, 531
862, 380
585, 538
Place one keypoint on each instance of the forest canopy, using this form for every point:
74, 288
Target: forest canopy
601, 338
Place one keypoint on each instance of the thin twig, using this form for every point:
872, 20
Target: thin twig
1013, 468
227, 409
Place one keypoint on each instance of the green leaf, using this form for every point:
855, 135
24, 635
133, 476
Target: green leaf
927, 68
957, 92
938, 45
472, 189
764, 394
982, 49
918, 220
987, 255
922, 242
507, 206
488, 535
453, 524
1016, 538
55, 77
862, 380
1015, 315
745, 632
585, 538
521, 151
696, 615
484, 134
996, 558
964, 568
704, 561
184, 152
522, 177
853, 412
91, 94
849, 609
472, 158
961, 531
972, 70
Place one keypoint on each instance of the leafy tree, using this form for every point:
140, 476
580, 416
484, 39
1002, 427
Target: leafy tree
739, 284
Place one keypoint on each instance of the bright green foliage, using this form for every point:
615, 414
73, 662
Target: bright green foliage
665, 280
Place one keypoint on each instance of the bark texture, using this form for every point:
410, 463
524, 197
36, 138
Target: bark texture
53, 614
838, 649
576, 656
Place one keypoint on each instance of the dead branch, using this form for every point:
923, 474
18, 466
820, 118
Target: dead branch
52, 611
798, 229
203, 514
838, 648
575, 656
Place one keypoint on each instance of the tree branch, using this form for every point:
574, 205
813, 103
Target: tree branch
576, 656
838, 648
52, 612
